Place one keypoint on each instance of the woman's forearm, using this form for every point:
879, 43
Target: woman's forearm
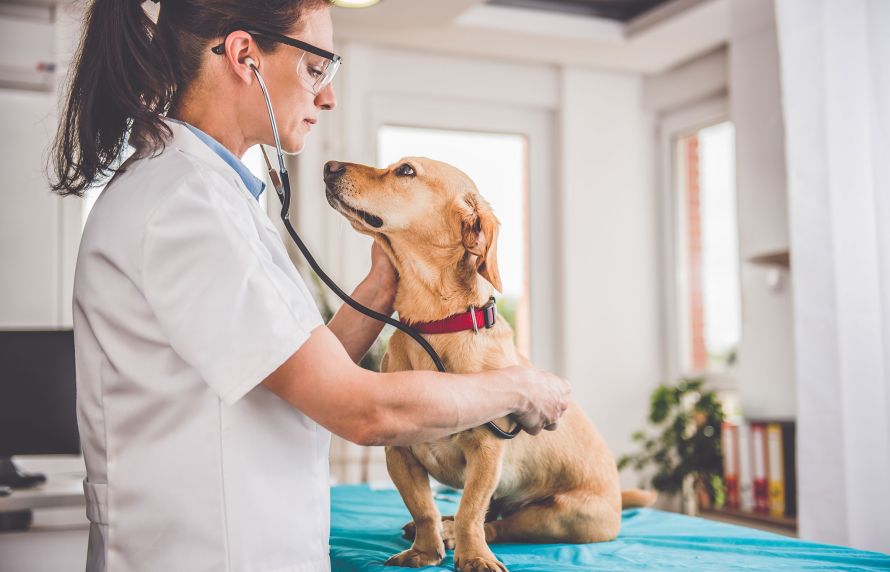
356, 331
408, 407
417, 406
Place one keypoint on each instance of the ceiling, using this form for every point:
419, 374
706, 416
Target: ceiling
667, 34
621, 10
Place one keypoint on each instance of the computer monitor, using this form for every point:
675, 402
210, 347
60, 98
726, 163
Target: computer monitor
38, 414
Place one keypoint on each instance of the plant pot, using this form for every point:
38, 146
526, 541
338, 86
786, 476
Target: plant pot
684, 502
669, 502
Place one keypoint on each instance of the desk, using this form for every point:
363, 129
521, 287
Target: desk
57, 539
59, 491
63, 489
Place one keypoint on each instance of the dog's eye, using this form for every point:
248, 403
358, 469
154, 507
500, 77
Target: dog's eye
405, 170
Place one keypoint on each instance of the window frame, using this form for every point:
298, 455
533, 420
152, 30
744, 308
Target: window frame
672, 126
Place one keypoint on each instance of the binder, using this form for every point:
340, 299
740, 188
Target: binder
746, 482
730, 464
776, 470
758, 465
790, 464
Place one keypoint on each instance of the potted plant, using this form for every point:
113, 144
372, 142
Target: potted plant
684, 446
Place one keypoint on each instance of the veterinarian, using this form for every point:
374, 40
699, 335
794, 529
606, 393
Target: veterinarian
207, 382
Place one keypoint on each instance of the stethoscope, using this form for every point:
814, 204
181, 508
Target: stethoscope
281, 182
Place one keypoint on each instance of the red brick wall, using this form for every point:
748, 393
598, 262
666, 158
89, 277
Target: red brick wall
699, 355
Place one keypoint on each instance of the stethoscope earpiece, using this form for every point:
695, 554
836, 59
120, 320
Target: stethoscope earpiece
251, 63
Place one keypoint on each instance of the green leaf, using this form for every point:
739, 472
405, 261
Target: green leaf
660, 404
678, 449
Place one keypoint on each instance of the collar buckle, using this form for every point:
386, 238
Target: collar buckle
472, 312
490, 312
489, 315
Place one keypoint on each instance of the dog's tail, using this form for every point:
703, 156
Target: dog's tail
633, 498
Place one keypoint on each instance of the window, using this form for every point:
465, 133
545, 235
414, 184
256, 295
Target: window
707, 254
498, 164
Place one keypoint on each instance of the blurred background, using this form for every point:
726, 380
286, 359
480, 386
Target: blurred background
694, 197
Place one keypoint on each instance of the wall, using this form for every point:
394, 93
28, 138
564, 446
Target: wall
766, 352
701, 79
609, 285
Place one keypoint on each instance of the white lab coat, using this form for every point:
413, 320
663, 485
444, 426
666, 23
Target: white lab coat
184, 301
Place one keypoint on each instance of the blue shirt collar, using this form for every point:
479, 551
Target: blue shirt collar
253, 184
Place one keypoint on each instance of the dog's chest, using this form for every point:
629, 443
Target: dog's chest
443, 460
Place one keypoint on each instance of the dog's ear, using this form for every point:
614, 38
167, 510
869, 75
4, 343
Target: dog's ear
479, 232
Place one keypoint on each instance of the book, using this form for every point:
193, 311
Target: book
775, 470
746, 483
758, 466
730, 464
789, 462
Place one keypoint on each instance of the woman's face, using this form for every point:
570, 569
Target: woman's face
297, 109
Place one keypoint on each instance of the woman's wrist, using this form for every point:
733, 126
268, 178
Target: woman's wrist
518, 384
380, 292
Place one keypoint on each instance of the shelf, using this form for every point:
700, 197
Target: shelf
780, 258
786, 522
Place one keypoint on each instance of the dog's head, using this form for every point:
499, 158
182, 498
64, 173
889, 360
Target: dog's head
427, 215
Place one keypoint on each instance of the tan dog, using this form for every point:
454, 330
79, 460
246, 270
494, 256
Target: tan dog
558, 486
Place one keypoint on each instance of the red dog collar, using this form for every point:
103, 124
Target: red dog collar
472, 319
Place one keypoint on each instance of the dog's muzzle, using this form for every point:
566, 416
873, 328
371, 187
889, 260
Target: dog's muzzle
334, 183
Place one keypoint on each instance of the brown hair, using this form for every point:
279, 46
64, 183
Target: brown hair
129, 70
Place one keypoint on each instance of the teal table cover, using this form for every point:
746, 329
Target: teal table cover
366, 530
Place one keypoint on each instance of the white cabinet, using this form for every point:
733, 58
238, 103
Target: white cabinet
30, 216
39, 231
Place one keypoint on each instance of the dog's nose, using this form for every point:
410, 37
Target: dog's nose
333, 169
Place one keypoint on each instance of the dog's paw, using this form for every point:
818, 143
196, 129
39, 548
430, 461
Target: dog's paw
477, 562
409, 531
448, 534
415, 559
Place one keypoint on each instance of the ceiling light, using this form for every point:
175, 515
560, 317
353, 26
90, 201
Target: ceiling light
355, 3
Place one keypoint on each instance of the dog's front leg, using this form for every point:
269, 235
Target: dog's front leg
484, 454
413, 483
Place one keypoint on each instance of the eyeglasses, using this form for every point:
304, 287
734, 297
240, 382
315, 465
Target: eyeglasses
317, 67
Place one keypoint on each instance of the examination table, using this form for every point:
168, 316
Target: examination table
366, 527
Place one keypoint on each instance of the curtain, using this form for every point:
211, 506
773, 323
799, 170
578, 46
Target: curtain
835, 60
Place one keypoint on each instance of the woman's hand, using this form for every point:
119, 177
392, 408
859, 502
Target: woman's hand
547, 398
377, 291
382, 277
